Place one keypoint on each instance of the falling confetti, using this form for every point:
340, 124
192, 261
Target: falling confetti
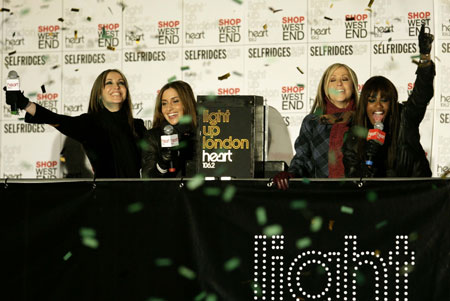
298, 204
135, 207
225, 76
212, 191
211, 297
303, 242
345, 209
237, 73
75, 9
12, 53
90, 242
261, 216
232, 264
184, 68
195, 182
273, 230
89, 19
377, 253
372, 196
185, 119
413, 236
55, 67
228, 193
368, 9
111, 48
360, 131
186, 272
275, 10
200, 296
360, 278
5, 9
350, 18
265, 26
300, 70
67, 256
43, 89
171, 79
381, 224
306, 181
60, 19
370, 3
316, 224
238, 1
328, 18
62, 159
330, 225
75, 34
163, 262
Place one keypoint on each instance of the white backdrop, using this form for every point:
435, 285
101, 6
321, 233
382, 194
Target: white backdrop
274, 48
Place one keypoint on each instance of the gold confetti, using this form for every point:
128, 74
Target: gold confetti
265, 26
111, 48
225, 76
377, 252
76, 34
330, 225
370, 3
300, 70
62, 159
75, 9
274, 10
368, 9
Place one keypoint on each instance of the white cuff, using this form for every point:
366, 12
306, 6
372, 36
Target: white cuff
163, 171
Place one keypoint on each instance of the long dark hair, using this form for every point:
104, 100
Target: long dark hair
187, 98
96, 103
391, 122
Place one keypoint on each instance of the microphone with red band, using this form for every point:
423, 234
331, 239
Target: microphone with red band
13, 84
375, 139
168, 141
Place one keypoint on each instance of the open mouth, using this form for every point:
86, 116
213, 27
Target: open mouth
378, 116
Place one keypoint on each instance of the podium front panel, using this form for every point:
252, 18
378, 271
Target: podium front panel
228, 129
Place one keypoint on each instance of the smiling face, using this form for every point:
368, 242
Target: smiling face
340, 87
114, 91
171, 106
377, 107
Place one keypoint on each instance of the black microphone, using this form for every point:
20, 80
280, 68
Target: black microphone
169, 140
12, 84
375, 139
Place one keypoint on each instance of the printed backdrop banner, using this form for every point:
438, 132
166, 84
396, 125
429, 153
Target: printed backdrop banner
277, 50
231, 240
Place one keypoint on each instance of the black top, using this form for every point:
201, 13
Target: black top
184, 163
410, 160
106, 137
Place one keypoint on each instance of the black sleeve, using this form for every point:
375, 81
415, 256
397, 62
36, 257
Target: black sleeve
353, 165
415, 108
150, 154
78, 128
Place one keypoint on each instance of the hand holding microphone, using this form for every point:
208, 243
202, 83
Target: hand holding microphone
14, 97
375, 139
168, 154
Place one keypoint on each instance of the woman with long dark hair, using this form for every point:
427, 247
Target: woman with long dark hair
175, 106
108, 132
401, 154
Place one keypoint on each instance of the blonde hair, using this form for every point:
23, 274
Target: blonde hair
322, 89
187, 98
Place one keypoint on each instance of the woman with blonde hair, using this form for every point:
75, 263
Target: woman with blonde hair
175, 106
318, 146
108, 132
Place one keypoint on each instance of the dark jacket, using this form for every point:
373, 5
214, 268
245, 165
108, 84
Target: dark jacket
410, 160
106, 137
184, 162
311, 149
